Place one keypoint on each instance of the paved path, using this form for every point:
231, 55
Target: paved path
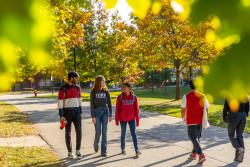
162, 139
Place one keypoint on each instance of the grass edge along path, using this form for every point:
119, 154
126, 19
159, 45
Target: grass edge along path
165, 104
14, 123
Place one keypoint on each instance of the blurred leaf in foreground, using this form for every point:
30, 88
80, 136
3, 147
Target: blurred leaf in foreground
25, 24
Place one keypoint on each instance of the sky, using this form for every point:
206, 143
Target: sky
124, 9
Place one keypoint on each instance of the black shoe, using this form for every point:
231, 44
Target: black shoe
96, 150
104, 154
123, 152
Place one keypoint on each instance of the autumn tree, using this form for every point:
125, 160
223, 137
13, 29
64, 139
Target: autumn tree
68, 37
169, 39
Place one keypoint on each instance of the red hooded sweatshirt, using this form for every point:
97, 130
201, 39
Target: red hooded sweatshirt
129, 109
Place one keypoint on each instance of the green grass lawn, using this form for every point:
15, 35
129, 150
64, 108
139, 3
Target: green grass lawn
28, 156
14, 124
158, 102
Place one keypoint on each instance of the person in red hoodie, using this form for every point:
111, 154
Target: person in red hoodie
127, 111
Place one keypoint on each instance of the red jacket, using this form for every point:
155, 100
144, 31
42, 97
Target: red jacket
129, 109
194, 108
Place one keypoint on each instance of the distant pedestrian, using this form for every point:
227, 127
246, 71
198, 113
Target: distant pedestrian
100, 113
236, 121
90, 85
127, 112
192, 111
70, 109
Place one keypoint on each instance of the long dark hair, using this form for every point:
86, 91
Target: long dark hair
98, 84
129, 85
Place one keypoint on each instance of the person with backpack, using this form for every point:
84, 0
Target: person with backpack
236, 121
70, 110
100, 113
127, 112
192, 105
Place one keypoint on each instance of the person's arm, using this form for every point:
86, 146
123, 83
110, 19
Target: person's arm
92, 94
137, 111
183, 112
117, 108
206, 105
109, 106
183, 106
247, 108
225, 110
80, 100
60, 104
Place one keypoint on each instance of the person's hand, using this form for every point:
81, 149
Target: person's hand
62, 119
110, 119
94, 120
137, 125
117, 124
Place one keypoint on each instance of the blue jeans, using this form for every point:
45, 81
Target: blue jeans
133, 133
236, 129
194, 134
101, 127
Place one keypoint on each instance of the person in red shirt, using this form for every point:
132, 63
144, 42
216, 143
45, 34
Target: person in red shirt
192, 112
70, 109
127, 112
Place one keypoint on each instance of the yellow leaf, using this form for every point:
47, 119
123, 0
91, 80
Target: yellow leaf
110, 3
156, 7
140, 7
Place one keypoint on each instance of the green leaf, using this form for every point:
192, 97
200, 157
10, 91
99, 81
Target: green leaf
233, 14
229, 75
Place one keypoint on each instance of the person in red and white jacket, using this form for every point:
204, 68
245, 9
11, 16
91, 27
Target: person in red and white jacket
127, 112
192, 112
70, 109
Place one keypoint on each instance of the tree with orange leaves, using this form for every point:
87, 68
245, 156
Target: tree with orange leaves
169, 39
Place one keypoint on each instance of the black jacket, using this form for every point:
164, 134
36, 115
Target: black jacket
229, 115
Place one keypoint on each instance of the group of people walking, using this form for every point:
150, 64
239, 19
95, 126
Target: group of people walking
127, 112
194, 108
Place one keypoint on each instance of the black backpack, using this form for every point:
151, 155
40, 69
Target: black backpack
64, 91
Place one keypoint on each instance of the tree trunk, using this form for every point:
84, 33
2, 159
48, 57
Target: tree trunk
152, 81
178, 89
165, 79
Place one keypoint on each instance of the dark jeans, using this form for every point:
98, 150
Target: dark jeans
235, 130
132, 131
194, 134
75, 117
101, 128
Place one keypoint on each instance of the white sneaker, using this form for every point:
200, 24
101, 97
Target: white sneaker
78, 154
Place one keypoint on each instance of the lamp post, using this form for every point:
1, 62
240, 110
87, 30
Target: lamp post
74, 58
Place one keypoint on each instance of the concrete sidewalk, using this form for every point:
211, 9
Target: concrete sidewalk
162, 139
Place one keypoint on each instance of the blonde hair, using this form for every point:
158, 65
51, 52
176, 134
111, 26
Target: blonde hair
98, 84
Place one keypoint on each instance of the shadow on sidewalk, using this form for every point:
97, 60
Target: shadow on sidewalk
97, 160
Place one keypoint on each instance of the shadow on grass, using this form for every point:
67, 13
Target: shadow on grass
46, 164
15, 116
